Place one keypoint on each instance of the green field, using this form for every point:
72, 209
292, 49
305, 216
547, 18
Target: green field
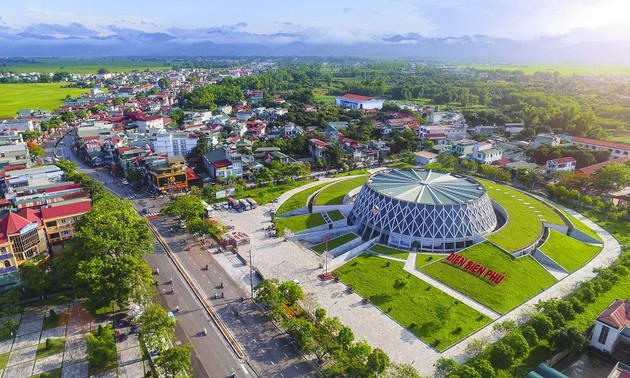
319, 94
334, 243
87, 66
581, 226
571, 254
427, 258
299, 222
524, 217
335, 215
265, 194
562, 69
524, 277
44, 96
393, 252
433, 316
298, 199
334, 194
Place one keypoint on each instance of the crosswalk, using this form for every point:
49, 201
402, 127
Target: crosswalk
133, 196
151, 215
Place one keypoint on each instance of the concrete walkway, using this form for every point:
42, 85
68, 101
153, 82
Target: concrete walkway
291, 260
410, 267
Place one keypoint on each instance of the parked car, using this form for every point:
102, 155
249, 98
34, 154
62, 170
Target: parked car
182, 224
125, 182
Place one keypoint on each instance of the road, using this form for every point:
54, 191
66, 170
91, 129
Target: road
268, 352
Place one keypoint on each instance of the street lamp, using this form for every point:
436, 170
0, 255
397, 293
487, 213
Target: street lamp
74, 293
330, 307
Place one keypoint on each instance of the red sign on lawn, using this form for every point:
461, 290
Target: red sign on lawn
475, 268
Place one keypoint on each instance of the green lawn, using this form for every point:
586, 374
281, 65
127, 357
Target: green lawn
581, 226
570, 253
335, 215
56, 373
430, 314
84, 66
353, 172
58, 345
266, 194
4, 358
427, 258
299, 222
50, 323
524, 277
525, 215
298, 199
45, 96
334, 243
385, 250
400, 165
334, 194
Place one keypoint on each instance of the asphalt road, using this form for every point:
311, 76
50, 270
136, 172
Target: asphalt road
269, 353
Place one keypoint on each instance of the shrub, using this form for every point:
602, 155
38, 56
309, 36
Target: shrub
52, 315
484, 368
566, 309
556, 317
48, 344
502, 356
518, 343
542, 324
400, 282
465, 371
567, 338
530, 335
8, 327
578, 307
444, 366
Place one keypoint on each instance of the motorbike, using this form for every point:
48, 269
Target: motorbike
205, 332
222, 295
172, 290
222, 285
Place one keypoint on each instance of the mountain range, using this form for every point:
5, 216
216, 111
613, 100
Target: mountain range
80, 40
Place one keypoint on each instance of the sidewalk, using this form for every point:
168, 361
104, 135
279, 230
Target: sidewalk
72, 362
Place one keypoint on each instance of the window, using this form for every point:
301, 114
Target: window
7, 263
603, 335
51, 224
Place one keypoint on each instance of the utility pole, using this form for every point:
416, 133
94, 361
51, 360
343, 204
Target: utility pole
251, 273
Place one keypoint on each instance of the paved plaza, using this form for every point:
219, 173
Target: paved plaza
289, 260
72, 361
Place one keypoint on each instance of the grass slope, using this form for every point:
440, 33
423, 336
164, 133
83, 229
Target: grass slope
525, 215
298, 199
335, 215
430, 314
45, 96
570, 253
299, 222
524, 277
266, 194
385, 250
334, 243
427, 258
581, 226
333, 195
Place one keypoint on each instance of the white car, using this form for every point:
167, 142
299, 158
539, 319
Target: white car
125, 182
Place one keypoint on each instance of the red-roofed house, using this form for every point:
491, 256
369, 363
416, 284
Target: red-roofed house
352, 101
560, 164
20, 239
616, 149
611, 333
60, 220
318, 149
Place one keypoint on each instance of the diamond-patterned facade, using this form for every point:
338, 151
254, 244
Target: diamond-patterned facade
427, 226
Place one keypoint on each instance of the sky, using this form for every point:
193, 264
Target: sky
335, 21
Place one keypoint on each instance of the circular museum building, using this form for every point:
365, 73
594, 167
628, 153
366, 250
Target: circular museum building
423, 209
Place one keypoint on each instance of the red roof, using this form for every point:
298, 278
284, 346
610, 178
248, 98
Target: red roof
616, 315
31, 215
601, 143
12, 223
59, 188
191, 174
595, 167
353, 97
436, 135
561, 160
319, 143
221, 163
62, 211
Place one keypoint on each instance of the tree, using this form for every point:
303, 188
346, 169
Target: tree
444, 366
34, 277
567, 338
475, 347
447, 160
611, 177
518, 343
164, 83
542, 324
177, 115
35, 149
326, 337
530, 335
377, 361
505, 327
175, 361
465, 371
291, 291
401, 371
302, 331
188, 207
101, 347
67, 116
66, 166
502, 356
8, 328
484, 367
156, 326
81, 114
267, 292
